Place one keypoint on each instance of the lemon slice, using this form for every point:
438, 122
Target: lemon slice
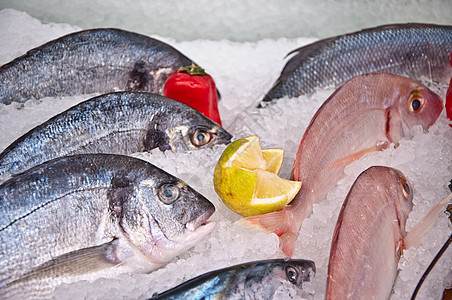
274, 159
246, 178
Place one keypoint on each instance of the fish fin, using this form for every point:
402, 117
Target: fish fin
414, 237
74, 263
346, 160
281, 223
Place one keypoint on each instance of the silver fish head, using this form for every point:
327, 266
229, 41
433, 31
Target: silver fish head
265, 277
418, 105
295, 271
190, 130
165, 217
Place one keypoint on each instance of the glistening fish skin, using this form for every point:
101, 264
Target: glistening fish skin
90, 61
367, 113
90, 216
368, 238
418, 51
252, 280
116, 123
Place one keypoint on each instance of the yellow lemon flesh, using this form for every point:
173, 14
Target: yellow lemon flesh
246, 178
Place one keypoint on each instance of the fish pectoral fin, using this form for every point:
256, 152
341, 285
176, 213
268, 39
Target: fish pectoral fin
346, 160
74, 263
281, 223
414, 237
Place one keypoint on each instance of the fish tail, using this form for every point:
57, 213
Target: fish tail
281, 223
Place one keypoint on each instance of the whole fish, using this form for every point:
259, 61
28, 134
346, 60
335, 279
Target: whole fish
367, 113
369, 234
116, 123
90, 61
418, 51
90, 216
252, 280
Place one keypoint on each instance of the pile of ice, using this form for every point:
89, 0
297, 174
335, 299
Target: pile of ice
236, 20
243, 72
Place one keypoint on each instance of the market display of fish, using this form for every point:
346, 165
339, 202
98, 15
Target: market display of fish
252, 280
367, 113
93, 215
418, 51
370, 236
90, 61
116, 123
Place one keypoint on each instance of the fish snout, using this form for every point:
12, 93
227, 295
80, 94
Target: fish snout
222, 136
201, 220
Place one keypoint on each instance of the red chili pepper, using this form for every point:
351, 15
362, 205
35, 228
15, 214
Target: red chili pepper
449, 96
193, 86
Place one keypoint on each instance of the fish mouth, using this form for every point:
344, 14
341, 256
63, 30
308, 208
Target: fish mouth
223, 136
201, 221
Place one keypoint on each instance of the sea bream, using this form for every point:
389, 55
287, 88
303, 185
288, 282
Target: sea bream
90, 61
370, 235
116, 123
418, 51
90, 216
251, 280
367, 113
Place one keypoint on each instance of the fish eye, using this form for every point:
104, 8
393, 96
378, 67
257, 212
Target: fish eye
201, 138
291, 274
406, 189
168, 193
416, 101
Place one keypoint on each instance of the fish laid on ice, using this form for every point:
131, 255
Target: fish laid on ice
115, 123
93, 215
367, 113
370, 235
418, 51
90, 61
252, 280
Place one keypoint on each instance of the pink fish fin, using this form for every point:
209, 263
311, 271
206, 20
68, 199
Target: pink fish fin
281, 223
414, 237
346, 160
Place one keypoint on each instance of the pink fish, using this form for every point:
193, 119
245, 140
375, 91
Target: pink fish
367, 113
370, 235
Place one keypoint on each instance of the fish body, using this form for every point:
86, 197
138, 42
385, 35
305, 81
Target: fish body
90, 61
367, 113
368, 238
93, 215
418, 51
115, 123
252, 280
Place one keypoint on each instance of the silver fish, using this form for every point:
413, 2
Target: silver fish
369, 234
367, 113
418, 51
116, 123
97, 60
252, 280
90, 216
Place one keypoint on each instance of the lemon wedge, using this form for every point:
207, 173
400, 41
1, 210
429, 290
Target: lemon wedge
246, 179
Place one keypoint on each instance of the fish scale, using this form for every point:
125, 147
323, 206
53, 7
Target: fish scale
74, 216
367, 113
364, 251
116, 123
90, 61
250, 280
418, 51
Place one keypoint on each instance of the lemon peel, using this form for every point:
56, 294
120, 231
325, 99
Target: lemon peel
246, 179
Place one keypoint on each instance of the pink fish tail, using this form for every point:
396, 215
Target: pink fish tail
281, 223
